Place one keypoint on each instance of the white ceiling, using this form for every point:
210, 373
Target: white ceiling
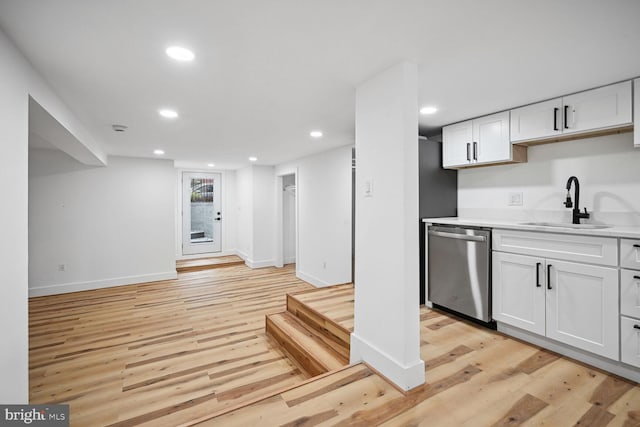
268, 72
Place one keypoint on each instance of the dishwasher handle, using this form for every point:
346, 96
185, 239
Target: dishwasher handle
458, 236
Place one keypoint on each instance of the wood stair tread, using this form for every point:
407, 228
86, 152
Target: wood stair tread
198, 264
304, 344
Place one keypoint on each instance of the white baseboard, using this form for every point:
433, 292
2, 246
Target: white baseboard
406, 377
312, 280
609, 365
64, 288
259, 264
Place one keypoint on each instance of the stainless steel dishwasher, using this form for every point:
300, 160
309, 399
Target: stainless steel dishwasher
459, 275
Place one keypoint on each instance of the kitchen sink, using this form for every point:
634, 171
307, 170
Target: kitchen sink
566, 225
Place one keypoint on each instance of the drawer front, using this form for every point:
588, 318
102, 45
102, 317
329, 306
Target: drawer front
630, 341
568, 247
630, 293
630, 253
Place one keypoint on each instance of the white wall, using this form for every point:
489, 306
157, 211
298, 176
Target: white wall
17, 81
387, 318
263, 216
323, 190
606, 166
109, 225
256, 215
244, 217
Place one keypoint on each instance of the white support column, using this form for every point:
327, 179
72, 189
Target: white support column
387, 316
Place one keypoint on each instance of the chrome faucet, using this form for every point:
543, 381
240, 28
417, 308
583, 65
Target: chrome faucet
576, 209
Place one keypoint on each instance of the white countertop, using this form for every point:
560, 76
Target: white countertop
632, 232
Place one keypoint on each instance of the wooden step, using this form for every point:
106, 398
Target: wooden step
333, 334
187, 265
304, 345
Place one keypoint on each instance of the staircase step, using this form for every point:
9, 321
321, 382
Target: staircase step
207, 263
307, 347
333, 334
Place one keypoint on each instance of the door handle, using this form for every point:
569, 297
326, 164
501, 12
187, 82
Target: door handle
555, 118
566, 116
218, 218
538, 264
458, 236
549, 276
468, 152
636, 326
636, 277
475, 150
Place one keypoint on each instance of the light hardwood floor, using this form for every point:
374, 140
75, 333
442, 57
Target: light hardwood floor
168, 353
160, 353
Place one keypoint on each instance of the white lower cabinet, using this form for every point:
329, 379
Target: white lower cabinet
582, 306
573, 303
630, 340
518, 293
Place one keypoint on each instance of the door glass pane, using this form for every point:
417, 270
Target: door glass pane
201, 210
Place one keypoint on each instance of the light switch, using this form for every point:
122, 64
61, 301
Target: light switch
368, 188
515, 199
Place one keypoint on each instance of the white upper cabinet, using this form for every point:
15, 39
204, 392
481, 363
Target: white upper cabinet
456, 146
636, 112
491, 138
477, 141
601, 108
534, 121
597, 109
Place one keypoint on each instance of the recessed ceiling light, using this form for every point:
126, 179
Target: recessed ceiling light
180, 53
158, 152
211, 165
169, 114
428, 110
315, 134
253, 159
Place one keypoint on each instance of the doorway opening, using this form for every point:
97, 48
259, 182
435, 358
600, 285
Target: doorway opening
201, 213
289, 235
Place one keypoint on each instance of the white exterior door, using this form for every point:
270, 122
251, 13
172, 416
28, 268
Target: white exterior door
491, 138
519, 291
456, 144
582, 306
201, 213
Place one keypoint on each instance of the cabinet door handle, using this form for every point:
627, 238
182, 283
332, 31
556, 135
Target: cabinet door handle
468, 152
636, 246
538, 264
549, 276
636, 277
475, 150
566, 116
555, 118
636, 326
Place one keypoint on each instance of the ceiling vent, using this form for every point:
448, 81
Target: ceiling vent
118, 128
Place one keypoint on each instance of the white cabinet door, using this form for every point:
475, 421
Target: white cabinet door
630, 341
582, 306
630, 293
456, 144
630, 252
536, 121
636, 113
601, 108
519, 291
491, 138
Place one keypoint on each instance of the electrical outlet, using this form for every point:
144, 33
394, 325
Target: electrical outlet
324, 264
515, 199
62, 267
